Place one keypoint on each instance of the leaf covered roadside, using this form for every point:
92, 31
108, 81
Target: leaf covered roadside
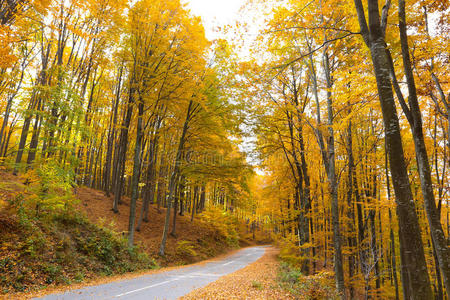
256, 281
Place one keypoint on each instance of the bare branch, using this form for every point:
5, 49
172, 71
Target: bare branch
325, 43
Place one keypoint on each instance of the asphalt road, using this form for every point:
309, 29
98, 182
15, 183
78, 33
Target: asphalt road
166, 285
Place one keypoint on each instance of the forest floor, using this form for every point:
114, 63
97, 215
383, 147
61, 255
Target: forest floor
256, 281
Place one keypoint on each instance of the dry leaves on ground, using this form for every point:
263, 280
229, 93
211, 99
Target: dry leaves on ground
256, 281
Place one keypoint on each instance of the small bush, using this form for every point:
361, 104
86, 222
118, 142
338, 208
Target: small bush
225, 224
318, 286
186, 248
290, 252
48, 188
257, 285
52, 271
288, 275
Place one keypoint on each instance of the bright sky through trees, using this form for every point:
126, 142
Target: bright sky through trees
215, 13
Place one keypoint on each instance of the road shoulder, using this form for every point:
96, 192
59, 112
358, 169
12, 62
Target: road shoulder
255, 281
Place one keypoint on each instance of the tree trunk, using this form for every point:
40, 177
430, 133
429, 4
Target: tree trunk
111, 138
22, 142
333, 186
437, 234
123, 151
149, 189
350, 211
5, 119
175, 174
194, 200
34, 140
136, 173
162, 178
391, 231
175, 210
182, 196
413, 257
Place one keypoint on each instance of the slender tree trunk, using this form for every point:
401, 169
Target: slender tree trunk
123, 151
136, 173
333, 185
4, 147
391, 231
350, 211
194, 199
175, 175
149, 194
162, 178
35, 137
439, 293
175, 210
201, 205
22, 142
6, 118
182, 196
9, 102
97, 159
111, 137
305, 198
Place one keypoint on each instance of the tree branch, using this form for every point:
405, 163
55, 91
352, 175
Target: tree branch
362, 22
397, 89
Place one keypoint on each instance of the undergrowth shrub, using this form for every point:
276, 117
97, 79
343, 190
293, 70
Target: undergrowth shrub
313, 287
291, 278
45, 190
257, 285
289, 250
225, 224
186, 248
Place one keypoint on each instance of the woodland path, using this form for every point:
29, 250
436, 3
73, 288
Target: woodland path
167, 285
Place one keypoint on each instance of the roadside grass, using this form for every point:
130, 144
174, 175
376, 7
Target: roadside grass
257, 285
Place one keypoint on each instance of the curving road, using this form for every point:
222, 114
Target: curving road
166, 285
